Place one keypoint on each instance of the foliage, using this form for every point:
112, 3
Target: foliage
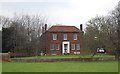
102, 32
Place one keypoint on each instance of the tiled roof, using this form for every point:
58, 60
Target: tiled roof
63, 29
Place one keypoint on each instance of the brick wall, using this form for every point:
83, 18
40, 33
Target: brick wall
5, 57
49, 40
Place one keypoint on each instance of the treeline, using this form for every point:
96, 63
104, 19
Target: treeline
21, 33
102, 32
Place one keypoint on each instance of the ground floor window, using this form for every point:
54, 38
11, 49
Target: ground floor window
54, 47
75, 46
72, 46
57, 46
78, 46
51, 46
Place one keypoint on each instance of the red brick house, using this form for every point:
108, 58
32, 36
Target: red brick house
59, 40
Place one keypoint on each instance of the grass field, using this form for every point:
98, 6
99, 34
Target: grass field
1, 67
109, 66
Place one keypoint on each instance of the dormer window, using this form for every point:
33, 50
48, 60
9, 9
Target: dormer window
54, 36
75, 36
65, 36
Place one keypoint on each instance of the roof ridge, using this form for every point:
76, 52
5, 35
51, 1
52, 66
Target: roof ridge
63, 25
63, 29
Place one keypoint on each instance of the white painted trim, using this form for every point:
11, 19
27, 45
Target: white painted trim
68, 43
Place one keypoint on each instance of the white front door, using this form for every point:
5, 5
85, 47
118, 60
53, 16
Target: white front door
65, 47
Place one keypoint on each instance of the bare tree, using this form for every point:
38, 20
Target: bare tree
5, 22
33, 25
116, 15
27, 30
101, 32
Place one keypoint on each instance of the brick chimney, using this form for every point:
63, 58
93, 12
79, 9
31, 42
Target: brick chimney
81, 28
45, 27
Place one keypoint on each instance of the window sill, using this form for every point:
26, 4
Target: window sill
75, 39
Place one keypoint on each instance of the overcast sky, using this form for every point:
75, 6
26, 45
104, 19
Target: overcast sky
66, 12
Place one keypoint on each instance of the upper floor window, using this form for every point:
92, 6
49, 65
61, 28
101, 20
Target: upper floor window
78, 46
65, 36
75, 36
54, 36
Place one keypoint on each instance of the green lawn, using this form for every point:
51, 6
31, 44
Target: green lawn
71, 56
109, 66
0, 67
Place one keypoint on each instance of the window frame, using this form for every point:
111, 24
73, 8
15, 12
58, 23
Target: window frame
54, 36
57, 47
72, 46
52, 47
75, 36
78, 47
65, 36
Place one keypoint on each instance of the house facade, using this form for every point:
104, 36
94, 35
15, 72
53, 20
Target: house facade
60, 40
